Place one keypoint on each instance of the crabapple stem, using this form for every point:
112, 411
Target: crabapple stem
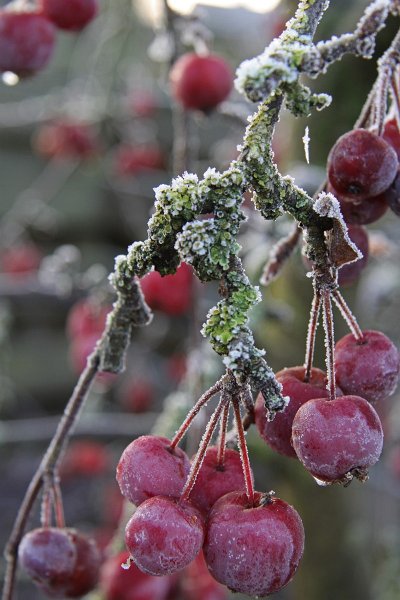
58, 504
45, 508
395, 95
222, 434
348, 315
191, 480
311, 332
329, 343
50, 459
202, 401
279, 254
244, 455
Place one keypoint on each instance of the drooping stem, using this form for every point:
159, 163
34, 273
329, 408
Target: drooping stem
329, 343
49, 461
191, 480
222, 435
279, 254
348, 315
244, 455
311, 332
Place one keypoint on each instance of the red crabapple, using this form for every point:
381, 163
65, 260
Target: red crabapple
368, 367
73, 15
197, 583
130, 160
391, 135
85, 458
392, 195
137, 395
118, 583
149, 467
26, 42
214, 481
337, 439
62, 562
171, 294
278, 433
253, 549
86, 318
164, 535
361, 164
364, 212
20, 260
200, 82
66, 139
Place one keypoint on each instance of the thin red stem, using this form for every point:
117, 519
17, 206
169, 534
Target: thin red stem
191, 480
244, 455
46, 507
222, 435
329, 343
348, 316
58, 504
311, 333
202, 401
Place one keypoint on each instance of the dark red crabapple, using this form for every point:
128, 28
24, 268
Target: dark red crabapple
85, 458
369, 367
149, 467
118, 583
392, 195
130, 160
361, 164
362, 212
253, 549
278, 433
65, 140
142, 103
391, 135
48, 555
196, 582
212, 481
171, 294
73, 15
200, 82
62, 562
26, 41
21, 260
337, 439
164, 535
348, 274
137, 395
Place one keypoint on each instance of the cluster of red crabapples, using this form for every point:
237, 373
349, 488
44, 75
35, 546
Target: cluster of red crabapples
28, 34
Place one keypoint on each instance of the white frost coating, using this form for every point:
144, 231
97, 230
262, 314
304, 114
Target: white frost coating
306, 142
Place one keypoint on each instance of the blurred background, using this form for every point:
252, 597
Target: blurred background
82, 145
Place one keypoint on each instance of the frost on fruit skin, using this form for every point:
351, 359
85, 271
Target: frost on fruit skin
87, 566
278, 433
164, 535
213, 481
253, 550
148, 467
27, 42
369, 368
336, 439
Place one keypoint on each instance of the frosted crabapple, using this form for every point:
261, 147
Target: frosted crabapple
62, 562
26, 41
215, 480
256, 548
200, 82
361, 164
391, 134
150, 467
171, 294
164, 535
337, 439
368, 367
278, 433
73, 15
196, 582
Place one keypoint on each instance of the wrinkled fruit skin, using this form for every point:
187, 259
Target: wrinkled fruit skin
361, 164
369, 369
73, 15
26, 42
117, 583
212, 482
62, 562
200, 82
253, 550
278, 433
164, 535
335, 439
148, 468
